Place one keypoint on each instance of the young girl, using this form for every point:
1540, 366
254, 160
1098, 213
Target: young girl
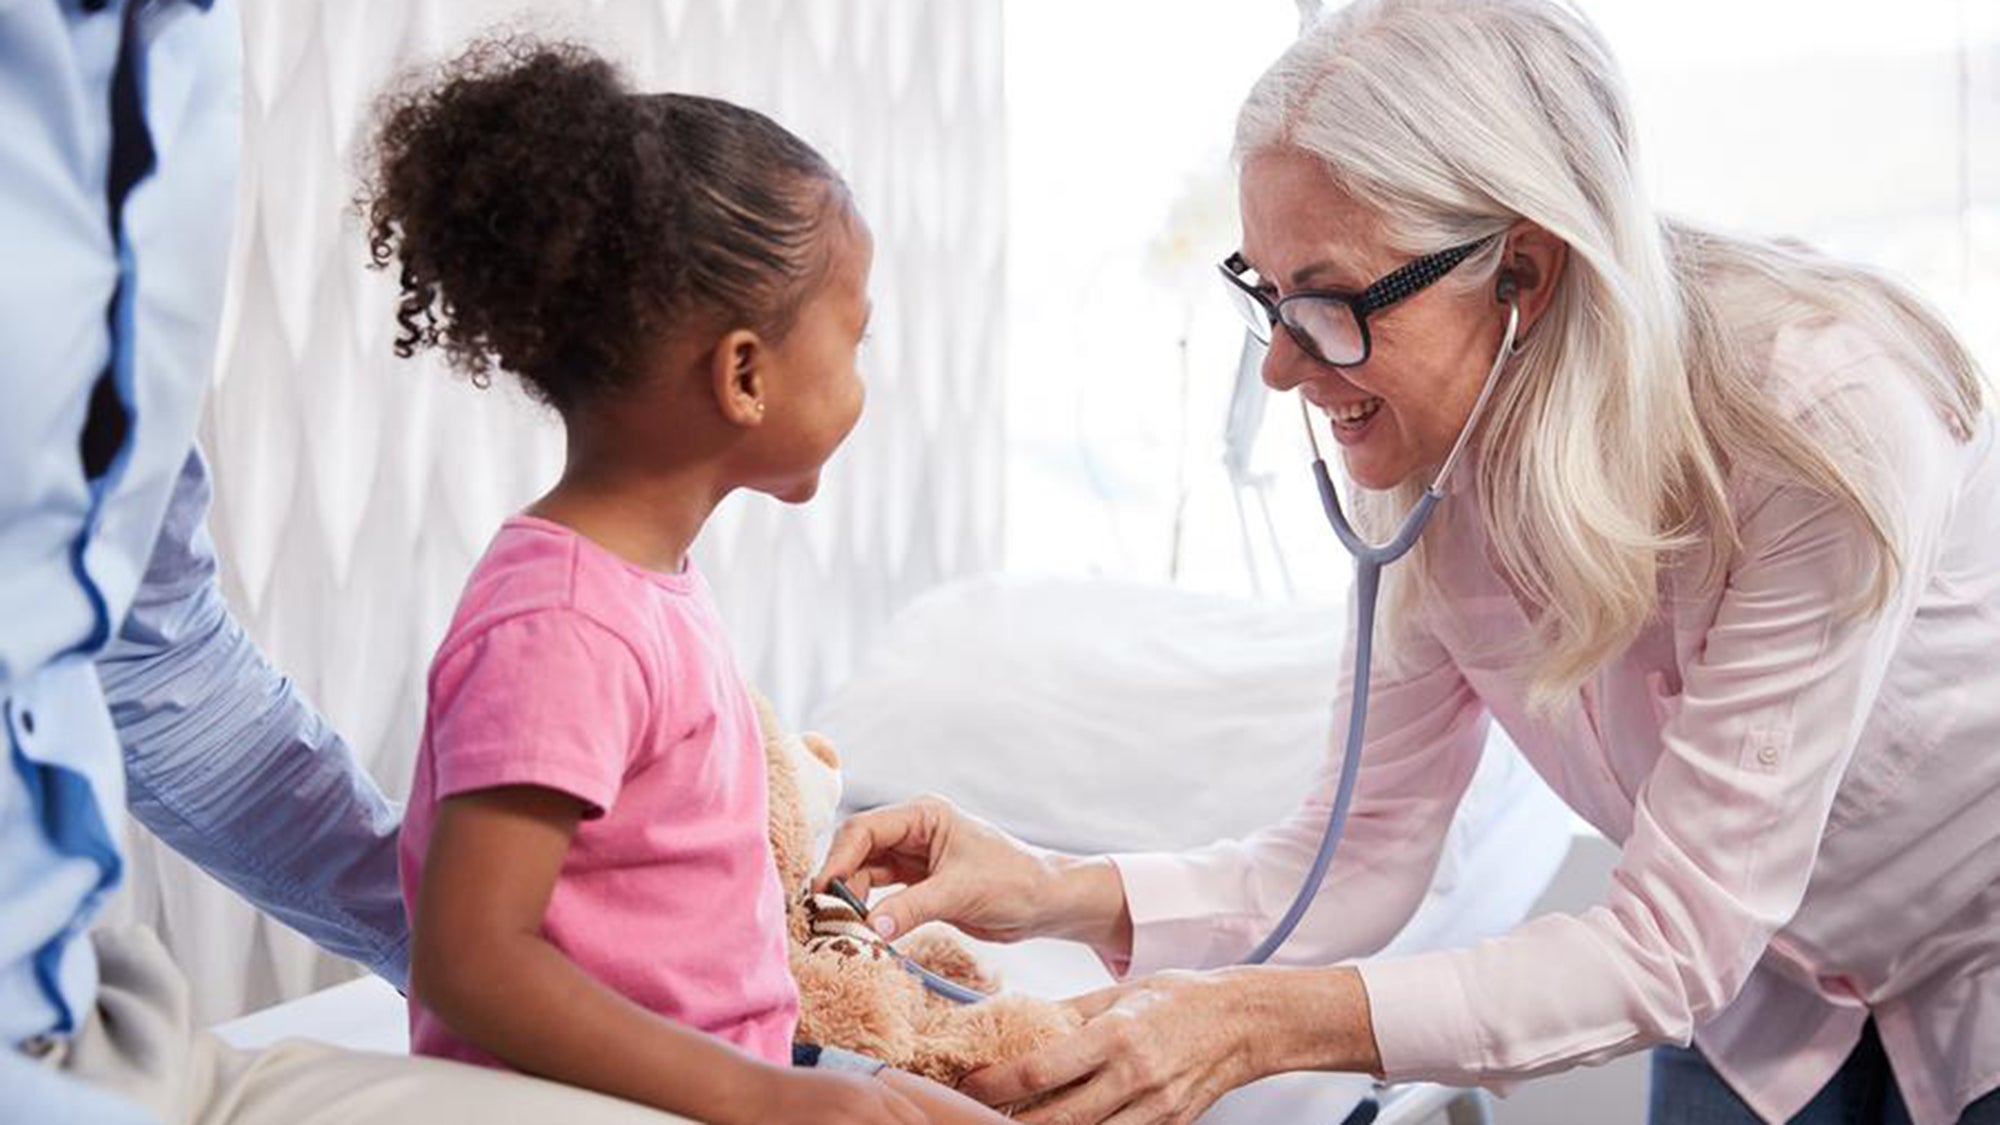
584, 856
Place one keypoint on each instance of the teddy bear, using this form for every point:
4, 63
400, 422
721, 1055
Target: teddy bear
853, 992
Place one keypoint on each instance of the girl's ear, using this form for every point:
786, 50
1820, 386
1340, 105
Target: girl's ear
737, 375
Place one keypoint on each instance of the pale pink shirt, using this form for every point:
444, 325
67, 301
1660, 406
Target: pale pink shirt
1808, 803
570, 669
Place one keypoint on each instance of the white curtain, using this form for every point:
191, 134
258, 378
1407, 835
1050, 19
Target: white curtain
355, 490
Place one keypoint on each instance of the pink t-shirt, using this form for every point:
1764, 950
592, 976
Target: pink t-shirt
568, 668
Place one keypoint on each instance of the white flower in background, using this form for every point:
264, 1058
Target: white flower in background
1201, 229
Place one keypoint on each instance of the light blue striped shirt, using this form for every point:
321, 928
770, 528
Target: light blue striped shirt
122, 675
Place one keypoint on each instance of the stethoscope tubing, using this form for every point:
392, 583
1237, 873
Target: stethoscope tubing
1369, 559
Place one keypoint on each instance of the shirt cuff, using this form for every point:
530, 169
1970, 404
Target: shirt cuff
1425, 1028
393, 965
1174, 924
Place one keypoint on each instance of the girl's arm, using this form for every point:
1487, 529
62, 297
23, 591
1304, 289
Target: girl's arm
481, 964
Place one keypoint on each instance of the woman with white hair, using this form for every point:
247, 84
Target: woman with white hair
1720, 558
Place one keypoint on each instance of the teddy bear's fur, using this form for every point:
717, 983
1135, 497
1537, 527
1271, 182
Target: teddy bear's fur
854, 995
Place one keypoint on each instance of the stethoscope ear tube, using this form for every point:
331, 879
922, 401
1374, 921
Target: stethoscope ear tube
1367, 583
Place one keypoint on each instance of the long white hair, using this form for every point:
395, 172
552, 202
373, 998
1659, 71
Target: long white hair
1609, 445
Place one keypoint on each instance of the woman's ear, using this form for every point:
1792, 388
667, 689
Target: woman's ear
738, 377
1534, 260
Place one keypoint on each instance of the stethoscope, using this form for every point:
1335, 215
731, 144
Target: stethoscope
1369, 559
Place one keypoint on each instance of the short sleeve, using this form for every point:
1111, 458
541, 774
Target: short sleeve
551, 699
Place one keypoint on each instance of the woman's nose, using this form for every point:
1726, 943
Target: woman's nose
1286, 365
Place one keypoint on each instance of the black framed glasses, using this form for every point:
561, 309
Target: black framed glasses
1331, 325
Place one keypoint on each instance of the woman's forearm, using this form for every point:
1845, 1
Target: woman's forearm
1309, 1019
1085, 902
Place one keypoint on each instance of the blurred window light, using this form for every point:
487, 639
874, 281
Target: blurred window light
1871, 130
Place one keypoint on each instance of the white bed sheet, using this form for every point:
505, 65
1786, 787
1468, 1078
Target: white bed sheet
1482, 897
368, 1015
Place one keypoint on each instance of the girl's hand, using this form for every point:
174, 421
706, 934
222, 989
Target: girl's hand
825, 1097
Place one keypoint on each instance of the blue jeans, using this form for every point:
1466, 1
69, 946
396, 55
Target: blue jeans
1688, 1091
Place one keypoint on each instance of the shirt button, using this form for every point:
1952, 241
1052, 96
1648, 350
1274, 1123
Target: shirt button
1768, 755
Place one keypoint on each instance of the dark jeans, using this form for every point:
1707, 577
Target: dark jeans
1688, 1091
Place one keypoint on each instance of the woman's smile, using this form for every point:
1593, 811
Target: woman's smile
1353, 420
1351, 416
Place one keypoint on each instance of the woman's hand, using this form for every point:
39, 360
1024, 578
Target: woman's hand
957, 868
827, 1097
1157, 1050
1160, 1051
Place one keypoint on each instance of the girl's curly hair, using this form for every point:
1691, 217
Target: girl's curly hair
549, 221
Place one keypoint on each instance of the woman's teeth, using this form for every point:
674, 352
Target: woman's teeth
1355, 413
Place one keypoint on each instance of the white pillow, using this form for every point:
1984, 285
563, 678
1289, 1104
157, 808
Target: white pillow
1173, 718
1097, 716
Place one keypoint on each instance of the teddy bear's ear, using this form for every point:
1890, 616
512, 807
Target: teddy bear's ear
816, 767
822, 749
767, 716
